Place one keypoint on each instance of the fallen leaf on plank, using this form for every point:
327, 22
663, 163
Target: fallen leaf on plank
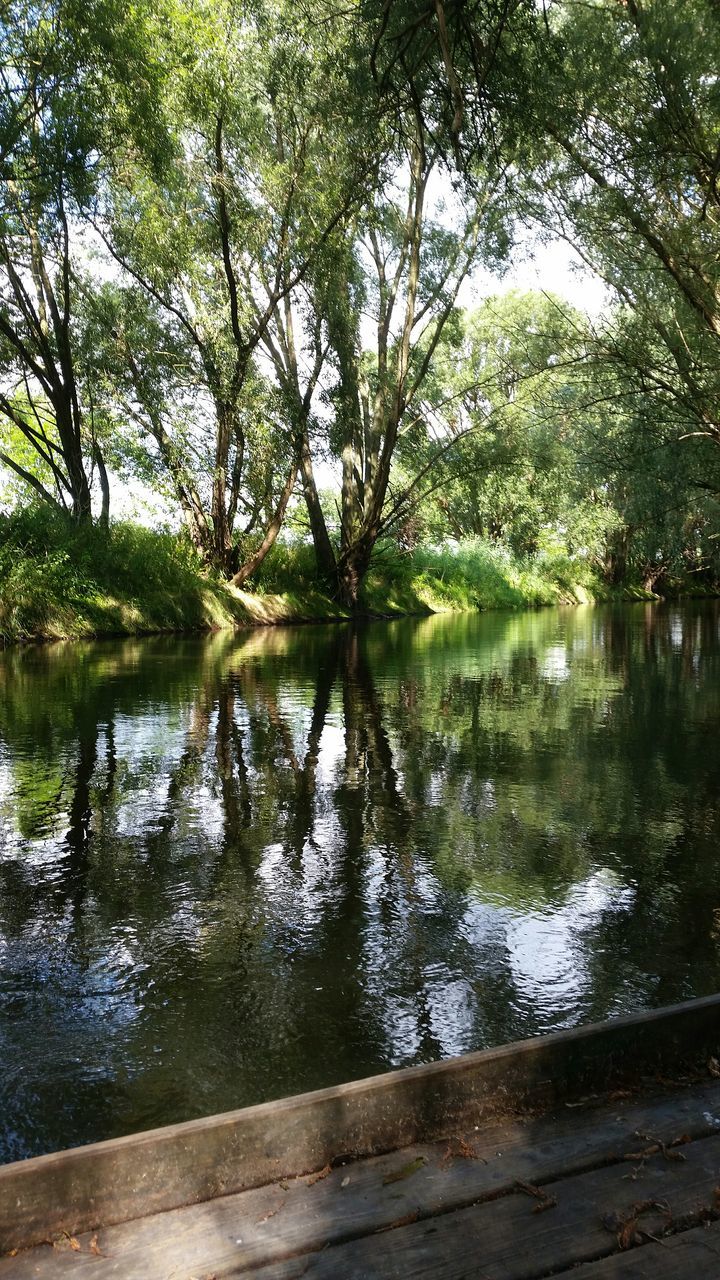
407, 1170
66, 1241
270, 1214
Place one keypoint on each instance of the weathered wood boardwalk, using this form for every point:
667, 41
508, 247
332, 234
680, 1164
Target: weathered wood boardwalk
521, 1174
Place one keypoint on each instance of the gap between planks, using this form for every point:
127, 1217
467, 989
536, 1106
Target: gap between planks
695, 1253
504, 1240
248, 1230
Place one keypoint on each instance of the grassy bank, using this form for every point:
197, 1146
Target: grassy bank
469, 575
57, 581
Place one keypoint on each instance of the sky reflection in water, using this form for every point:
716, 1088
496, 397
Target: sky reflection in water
238, 867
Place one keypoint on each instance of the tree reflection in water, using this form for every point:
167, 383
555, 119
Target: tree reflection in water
242, 866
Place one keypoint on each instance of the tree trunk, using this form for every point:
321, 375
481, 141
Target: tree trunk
253, 564
652, 575
616, 557
324, 553
81, 501
222, 537
79, 488
352, 567
104, 487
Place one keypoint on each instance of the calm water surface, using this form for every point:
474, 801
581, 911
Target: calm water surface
238, 867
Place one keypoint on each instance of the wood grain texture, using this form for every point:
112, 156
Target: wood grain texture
146, 1173
691, 1255
274, 1223
507, 1239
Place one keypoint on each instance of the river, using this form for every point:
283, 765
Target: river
249, 864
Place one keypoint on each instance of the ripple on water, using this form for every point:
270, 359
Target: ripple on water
237, 867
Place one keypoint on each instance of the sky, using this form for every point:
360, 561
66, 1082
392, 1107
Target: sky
552, 266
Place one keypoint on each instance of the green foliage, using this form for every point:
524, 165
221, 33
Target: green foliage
506, 391
76, 78
631, 112
477, 574
61, 580
233, 243
212, 247
553, 455
289, 566
472, 574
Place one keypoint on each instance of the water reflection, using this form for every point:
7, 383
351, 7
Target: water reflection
242, 866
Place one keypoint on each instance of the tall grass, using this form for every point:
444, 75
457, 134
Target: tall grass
473, 574
60, 580
476, 574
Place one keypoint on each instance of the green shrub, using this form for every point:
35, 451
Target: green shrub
289, 566
58, 579
462, 575
476, 574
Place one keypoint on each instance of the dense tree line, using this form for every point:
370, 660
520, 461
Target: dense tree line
235, 241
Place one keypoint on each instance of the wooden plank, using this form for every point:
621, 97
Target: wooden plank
126, 1178
691, 1254
506, 1239
276, 1222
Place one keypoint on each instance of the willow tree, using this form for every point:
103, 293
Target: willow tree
464, 65
374, 315
72, 79
264, 172
388, 289
617, 111
498, 433
406, 269
389, 284
631, 110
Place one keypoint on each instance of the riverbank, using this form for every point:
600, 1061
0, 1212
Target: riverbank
57, 582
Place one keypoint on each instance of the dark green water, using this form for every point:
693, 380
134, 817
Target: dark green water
243, 866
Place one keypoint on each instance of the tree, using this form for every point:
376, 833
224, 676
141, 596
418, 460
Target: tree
555, 454
509, 385
617, 127
662, 489
631, 180
463, 65
403, 266
65, 93
217, 245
